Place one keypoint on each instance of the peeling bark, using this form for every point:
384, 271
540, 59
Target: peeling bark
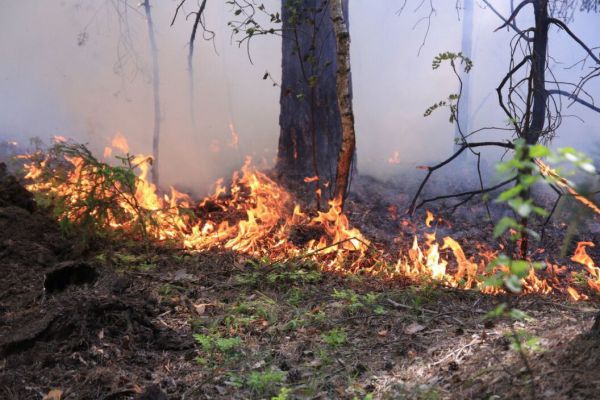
344, 99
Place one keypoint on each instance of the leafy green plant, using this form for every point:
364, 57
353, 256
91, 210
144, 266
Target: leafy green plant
212, 343
283, 394
87, 193
452, 100
335, 337
355, 302
266, 382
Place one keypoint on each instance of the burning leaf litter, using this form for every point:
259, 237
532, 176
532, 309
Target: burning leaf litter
255, 216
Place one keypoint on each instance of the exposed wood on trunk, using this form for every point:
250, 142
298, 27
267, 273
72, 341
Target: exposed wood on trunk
156, 92
344, 97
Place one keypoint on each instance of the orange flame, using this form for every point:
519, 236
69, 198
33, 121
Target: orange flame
235, 138
395, 158
255, 216
120, 143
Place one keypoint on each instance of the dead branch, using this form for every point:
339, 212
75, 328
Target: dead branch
432, 169
469, 194
514, 14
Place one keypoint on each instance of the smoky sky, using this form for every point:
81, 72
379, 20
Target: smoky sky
81, 68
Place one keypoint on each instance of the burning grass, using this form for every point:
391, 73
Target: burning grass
257, 217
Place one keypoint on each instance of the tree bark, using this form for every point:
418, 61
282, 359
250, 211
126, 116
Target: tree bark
344, 100
538, 69
156, 92
464, 117
310, 122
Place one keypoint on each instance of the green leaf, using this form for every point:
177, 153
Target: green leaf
503, 225
538, 151
518, 315
519, 268
496, 312
510, 193
513, 283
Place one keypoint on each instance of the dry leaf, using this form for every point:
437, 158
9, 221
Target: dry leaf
54, 394
383, 333
413, 328
200, 308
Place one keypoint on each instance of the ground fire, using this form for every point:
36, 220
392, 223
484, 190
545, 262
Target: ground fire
255, 216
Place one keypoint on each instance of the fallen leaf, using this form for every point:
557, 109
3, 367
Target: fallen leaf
200, 308
413, 328
383, 333
54, 394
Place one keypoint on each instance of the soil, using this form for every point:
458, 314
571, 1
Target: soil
117, 319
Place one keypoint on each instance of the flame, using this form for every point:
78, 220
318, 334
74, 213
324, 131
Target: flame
235, 138
429, 219
565, 184
395, 158
120, 143
255, 216
215, 146
575, 295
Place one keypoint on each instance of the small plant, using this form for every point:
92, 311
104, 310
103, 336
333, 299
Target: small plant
83, 191
266, 382
452, 101
212, 343
355, 302
335, 337
216, 347
283, 394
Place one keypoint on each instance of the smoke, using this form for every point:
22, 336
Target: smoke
81, 68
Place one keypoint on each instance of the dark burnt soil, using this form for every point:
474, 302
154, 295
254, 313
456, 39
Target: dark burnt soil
117, 320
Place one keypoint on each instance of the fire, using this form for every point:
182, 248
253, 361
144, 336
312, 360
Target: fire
120, 143
255, 216
235, 138
395, 158
429, 219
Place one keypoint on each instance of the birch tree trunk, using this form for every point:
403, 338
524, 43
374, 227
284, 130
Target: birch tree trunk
464, 105
156, 92
344, 99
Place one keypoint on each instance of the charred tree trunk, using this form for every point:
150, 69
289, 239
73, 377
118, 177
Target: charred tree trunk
538, 70
344, 97
310, 122
156, 92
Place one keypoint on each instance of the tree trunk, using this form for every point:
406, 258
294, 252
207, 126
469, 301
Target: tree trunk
540, 95
311, 131
156, 92
344, 97
464, 118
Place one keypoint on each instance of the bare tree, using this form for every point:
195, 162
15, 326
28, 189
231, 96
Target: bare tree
155, 91
533, 109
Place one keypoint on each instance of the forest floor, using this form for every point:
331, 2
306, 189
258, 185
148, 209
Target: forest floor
126, 321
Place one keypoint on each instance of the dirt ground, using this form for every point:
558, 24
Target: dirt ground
120, 320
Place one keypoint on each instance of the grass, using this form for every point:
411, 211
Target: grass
277, 334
